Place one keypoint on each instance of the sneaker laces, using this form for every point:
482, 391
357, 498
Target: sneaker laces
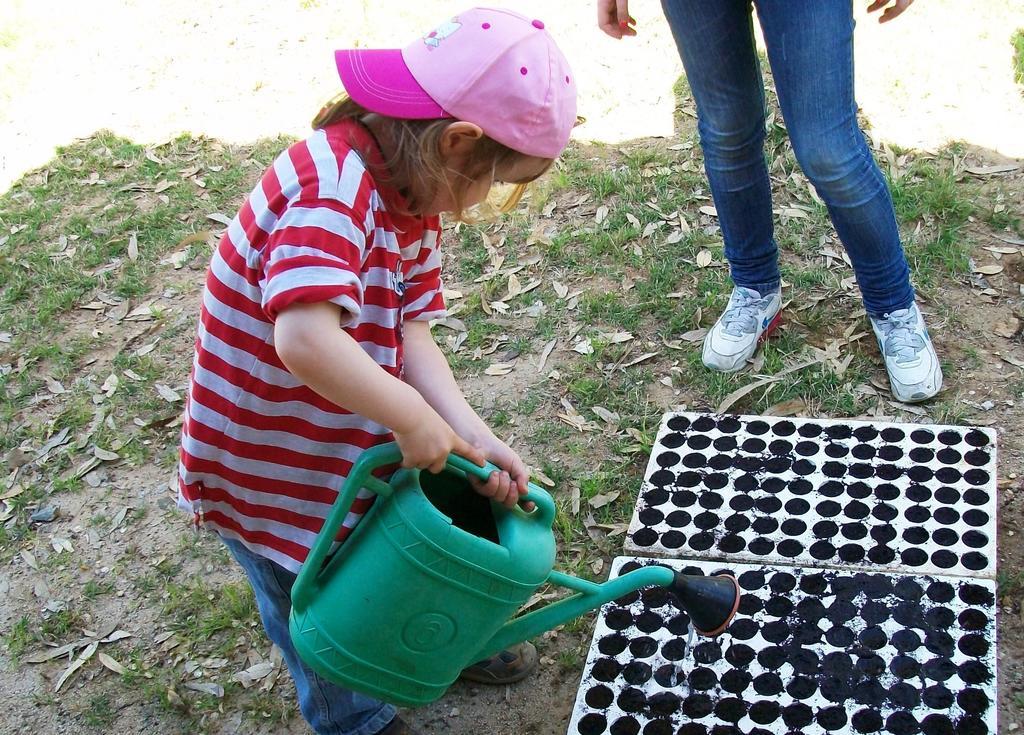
903, 340
742, 316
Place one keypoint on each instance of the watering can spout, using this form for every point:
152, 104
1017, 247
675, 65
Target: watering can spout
711, 602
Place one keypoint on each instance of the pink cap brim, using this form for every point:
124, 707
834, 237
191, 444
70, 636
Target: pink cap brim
380, 81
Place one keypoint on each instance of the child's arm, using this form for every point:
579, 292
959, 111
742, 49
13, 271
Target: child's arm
427, 370
329, 361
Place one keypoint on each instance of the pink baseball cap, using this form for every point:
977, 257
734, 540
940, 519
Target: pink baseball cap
488, 66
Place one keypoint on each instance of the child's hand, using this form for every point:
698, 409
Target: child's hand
506, 486
429, 441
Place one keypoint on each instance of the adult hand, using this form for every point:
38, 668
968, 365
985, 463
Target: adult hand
895, 9
613, 18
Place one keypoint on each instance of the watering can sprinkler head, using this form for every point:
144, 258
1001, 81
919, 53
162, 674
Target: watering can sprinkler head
711, 602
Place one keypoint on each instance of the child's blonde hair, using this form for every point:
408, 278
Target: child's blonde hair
416, 169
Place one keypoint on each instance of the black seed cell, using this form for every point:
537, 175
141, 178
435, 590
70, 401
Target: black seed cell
631, 699
670, 676
938, 669
643, 647
673, 539
944, 559
702, 679
921, 454
917, 514
804, 661
856, 510
974, 645
800, 486
797, 715
832, 489
831, 719
974, 496
728, 425
974, 672
892, 435
851, 553
915, 535
674, 650
613, 645
777, 631
918, 494
750, 605
706, 520
636, 672
873, 638
834, 469
651, 516
730, 709
866, 720
701, 541
764, 712
822, 550
679, 423
937, 697
679, 625
780, 446
920, 473
935, 724
977, 458
606, 669
625, 725
698, 441
829, 508
946, 516
693, 728
782, 582
948, 475
725, 443
790, 548
648, 621
905, 667
861, 470
806, 449
908, 588
973, 701
890, 453
678, 519
902, 723
945, 536
592, 723
901, 694
720, 462
842, 611
948, 455
739, 655
751, 580
618, 618
976, 477
976, 518
770, 504
732, 544
922, 436
696, 706
976, 594
657, 496
803, 467
716, 481
809, 430
883, 534
599, 697
661, 478
703, 424
645, 537
906, 641
884, 512
753, 446
839, 636
949, 438
801, 687
768, 684
939, 642
838, 431
761, 546
865, 433
694, 460
667, 459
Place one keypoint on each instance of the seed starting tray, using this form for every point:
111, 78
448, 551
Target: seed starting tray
810, 651
820, 493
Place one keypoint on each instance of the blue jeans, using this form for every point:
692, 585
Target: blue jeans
810, 49
329, 709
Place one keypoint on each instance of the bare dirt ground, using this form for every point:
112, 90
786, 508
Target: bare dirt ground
240, 72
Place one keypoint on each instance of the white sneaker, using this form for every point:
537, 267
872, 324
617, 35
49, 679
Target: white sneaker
747, 320
914, 371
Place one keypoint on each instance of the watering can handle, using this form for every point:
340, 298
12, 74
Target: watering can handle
361, 476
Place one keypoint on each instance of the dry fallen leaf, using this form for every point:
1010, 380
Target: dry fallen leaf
988, 270
167, 393
133, 247
499, 368
111, 664
704, 258
695, 335
602, 499
601, 214
709, 210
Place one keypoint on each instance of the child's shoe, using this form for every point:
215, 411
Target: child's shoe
505, 667
747, 320
914, 371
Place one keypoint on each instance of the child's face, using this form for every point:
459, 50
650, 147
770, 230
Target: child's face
521, 170
456, 147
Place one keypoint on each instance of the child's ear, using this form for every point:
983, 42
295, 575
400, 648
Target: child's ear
459, 138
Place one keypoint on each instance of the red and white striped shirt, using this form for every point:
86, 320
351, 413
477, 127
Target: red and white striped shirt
262, 455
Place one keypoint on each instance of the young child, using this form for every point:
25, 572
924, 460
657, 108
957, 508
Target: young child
314, 341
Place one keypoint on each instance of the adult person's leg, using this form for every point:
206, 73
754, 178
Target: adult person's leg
716, 44
810, 48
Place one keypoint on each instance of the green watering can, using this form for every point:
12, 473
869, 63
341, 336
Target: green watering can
432, 577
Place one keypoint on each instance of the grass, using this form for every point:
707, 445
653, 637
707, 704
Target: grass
1017, 39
